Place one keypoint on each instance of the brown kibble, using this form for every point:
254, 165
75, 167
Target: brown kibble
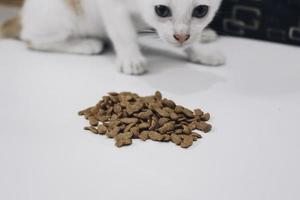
123, 142
178, 131
168, 103
203, 126
155, 136
162, 112
135, 131
168, 110
162, 121
129, 120
134, 107
176, 139
102, 129
198, 112
196, 136
187, 141
144, 115
154, 106
193, 125
85, 111
188, 113
113, 93
93, 121
170, 126
117, 108
174, 116
154, 123
92, 129
167, 138
179, 109
186, 130
103, 118
113, 133
144, 125
158, 95
205, 117
144, 135
125, 116
128, 127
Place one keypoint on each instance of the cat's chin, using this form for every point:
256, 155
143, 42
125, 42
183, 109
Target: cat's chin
179, 45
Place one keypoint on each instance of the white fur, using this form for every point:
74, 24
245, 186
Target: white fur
53, 26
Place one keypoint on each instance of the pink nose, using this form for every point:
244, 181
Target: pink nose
181, 38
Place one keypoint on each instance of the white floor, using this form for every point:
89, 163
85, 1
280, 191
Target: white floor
252, 152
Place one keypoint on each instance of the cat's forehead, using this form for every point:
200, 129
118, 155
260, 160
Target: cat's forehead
183, 2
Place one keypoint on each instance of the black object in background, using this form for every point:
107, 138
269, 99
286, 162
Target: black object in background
272, 20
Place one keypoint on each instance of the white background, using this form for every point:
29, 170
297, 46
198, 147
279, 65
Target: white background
252, 152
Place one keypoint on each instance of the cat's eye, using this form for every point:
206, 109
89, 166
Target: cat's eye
200, 11
163, 11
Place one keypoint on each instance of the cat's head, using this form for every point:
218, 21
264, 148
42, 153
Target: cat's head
179, 22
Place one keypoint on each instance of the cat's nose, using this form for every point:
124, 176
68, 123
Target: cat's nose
181, 38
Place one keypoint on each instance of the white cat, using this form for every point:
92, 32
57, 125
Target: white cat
82, 27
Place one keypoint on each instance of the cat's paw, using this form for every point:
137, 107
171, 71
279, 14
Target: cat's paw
209, 35
89, 47
132, 66
213, 58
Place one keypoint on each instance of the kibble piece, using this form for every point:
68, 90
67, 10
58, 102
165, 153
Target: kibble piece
188, 113
144, 125
128, 127
113, 93
168, 110
92, 129
163, 121
158, 95
117, 108
103, 118
186, 130
168, 103
167, 138
176, 139
170, 126
155, 136
196, 136
193, 125
144, 135
187, 141
144, 115
162, 112
114, 123
178, 131
205, 117
203, 126
135, 131
179, 109
155, 105
154, 124
123, 142
113, 133
93, 121
173, 116
113, 99
134, 107
129, 120
198, 112
102, 129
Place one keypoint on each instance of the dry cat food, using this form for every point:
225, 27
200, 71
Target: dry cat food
125, 116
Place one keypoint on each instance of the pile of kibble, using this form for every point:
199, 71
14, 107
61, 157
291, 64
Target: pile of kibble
125, 116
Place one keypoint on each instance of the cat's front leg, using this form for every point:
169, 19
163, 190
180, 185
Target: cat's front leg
201, 54
123, 35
